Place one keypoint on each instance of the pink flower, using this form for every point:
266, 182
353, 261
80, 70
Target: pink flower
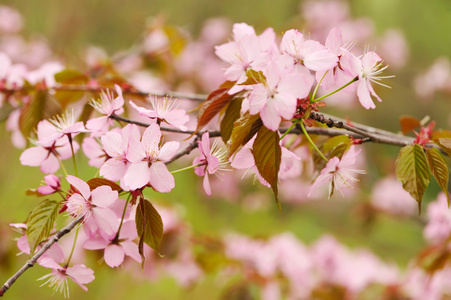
116, 146
80, 274
116, 249
93, 206
147, 162
339, 173
47, 151
368, 69
53, 185
50, 131
107, 105
309, 53
94, 151
164, 110
247, 51
389, 196
211, 160
277, 97
438, 228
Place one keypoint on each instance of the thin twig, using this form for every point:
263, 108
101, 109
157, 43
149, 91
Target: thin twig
95, 89
30, 263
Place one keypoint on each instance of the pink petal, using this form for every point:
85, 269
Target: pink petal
96, 243
106, 221
160, 178
50, 164
80, 274
363, 92
151, 138
33, 156
103, 196
80, 185
137, 175
114, 255
113, 169
112, 144
206, 185
131, 249
143, 111
168, 150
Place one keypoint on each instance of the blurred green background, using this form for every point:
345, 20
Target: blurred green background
116, 24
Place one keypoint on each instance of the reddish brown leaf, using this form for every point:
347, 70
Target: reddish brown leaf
243, 130
96, 182
232, 114
408, 123
216, 101
268, 156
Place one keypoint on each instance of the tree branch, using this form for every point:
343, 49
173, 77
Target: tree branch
95, 89
30, 263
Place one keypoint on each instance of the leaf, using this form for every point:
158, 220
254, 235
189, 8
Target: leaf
96, 182
254, 77
440, 133
444, 144
413, 171
268, 155
408, 123
41, 106
337, 145
40, 222
439, 169
231, 115
243, 130
149, 226
70, 76
216, 101
434, 258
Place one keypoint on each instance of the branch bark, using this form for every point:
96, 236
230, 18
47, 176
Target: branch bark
32, 261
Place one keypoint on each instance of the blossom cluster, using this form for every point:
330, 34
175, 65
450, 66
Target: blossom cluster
131, 140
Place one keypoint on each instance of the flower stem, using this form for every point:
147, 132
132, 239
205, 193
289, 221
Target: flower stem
122, 219
289, 129
73, 246
62, 166
311, 142
337, 90
73, 155
317, 87
187, 168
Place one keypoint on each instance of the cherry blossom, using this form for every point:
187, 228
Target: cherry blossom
309, 53
79, 273
106, 105
93, 205
53, 185
164, 110
147, 162
47, 151
211, 160
116, 146
277, 97
115, 249
339, 172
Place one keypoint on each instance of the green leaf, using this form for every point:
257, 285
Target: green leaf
254, 77
40, 222
149, 226
216, 101
96, 182
243, 130
337, 145
268, 155
413, 171
439, 169
444, 144
41, 106
231, 115
71, 77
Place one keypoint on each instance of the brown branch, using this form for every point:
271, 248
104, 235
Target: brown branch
84, 88
30, 263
